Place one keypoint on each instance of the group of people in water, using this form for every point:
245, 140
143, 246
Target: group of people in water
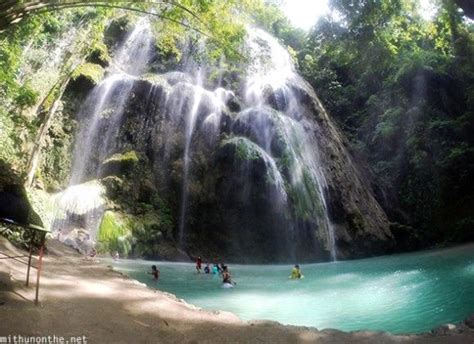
223, 270
215, 269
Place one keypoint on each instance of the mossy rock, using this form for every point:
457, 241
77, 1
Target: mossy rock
147, 191
99, 55
114, 233
249, 123
92, 72
247, 159
84, 78
242, 148
116, 31
120, 164
8, 175
113, 186
156, 80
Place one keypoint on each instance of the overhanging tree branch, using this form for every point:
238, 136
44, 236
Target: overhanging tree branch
12, 12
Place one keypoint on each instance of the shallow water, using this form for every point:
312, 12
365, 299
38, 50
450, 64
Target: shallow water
406, 293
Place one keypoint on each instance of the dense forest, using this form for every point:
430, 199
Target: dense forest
399, 86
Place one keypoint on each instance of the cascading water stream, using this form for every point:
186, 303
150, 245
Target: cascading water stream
96, 139
107, 100
272, 69
263, 151
189, 129
215, 102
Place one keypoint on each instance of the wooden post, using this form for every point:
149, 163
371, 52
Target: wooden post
29, 259
38, 272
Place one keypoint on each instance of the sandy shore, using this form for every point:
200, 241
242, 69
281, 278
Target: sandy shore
84, 298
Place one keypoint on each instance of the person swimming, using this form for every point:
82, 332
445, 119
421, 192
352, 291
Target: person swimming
296, 272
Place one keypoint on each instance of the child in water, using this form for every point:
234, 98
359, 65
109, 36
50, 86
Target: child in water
207, 269
296, 272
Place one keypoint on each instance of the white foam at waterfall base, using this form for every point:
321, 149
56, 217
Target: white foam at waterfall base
78, 206
81, 199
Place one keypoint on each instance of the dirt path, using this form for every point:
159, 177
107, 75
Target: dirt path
82, 298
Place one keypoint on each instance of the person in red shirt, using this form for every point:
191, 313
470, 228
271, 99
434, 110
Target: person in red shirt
198, 264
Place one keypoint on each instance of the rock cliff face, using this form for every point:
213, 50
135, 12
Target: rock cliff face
255, 172
361, 225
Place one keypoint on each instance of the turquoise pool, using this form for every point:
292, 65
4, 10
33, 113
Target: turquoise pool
406, 293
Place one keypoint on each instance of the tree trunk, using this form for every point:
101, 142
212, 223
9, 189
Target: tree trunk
36, 151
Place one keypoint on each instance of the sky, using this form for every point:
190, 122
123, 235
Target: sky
305, 13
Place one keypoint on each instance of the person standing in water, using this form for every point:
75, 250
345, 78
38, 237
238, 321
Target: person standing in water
226, 277
296, 272
155, 272
207, 269
198, 264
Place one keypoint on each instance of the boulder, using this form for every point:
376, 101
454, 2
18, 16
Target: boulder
470, 321
263, 126
444, 330
14, 205
120, 164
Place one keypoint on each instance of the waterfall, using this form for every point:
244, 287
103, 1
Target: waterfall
272, 72
255, 150
81, 205
106, 102
262, 124
189, 129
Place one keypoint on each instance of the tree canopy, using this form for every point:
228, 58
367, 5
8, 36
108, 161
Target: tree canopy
401, 87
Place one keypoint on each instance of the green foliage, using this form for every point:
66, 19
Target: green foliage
400, 88
26, 97
99, 54
26, 80
8, 145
